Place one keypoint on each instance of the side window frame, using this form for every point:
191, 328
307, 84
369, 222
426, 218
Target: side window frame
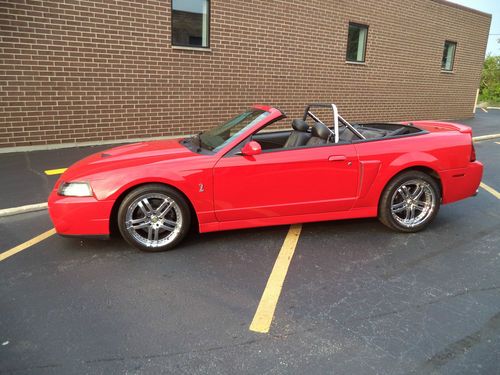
448, 43
360, 26
208, 31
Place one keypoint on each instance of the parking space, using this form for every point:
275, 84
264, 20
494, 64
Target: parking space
357, 298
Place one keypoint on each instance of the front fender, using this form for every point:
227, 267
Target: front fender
195, 184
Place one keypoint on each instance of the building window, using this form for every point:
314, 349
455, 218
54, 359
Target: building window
448, 56
356, 42
190, 23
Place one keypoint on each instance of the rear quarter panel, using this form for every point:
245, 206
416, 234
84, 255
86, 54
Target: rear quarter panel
442, 151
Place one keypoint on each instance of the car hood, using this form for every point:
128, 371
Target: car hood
130, 155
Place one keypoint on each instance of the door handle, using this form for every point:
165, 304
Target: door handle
337, 158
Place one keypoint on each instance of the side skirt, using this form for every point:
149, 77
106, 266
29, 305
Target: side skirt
283, 220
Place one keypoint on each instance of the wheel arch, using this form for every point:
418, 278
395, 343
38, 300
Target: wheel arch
418, 167
113, 222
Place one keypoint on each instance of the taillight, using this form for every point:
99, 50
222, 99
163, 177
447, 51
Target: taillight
472, 152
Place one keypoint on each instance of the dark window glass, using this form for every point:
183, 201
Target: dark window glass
190, 23
356, 42
448, 55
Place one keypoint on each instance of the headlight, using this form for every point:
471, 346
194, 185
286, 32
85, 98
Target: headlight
75, 189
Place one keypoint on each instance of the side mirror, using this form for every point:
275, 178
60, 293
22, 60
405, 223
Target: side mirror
251, 148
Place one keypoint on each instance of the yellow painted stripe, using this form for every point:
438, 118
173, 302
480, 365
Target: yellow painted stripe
27, 244
50, 172
484, 110
490, 190
265, 311
498, 143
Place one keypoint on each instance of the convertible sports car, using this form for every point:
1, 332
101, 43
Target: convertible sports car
251, 172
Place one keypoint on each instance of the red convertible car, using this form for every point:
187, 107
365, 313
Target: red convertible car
251, 171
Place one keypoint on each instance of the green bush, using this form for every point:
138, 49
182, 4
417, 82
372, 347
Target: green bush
490, 80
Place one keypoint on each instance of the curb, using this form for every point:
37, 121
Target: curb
23, 209
485, 137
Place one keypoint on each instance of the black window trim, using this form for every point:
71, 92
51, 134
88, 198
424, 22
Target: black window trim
361, 25
453, 57
189, 46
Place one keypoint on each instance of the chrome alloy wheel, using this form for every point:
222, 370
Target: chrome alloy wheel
154, 219
413, 202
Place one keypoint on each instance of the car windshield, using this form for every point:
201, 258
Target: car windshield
218, 137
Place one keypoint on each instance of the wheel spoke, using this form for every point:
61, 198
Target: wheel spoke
412, 213
148, 205
137, 223
407, 213
168, 225
404, 192
142, 208
421, 206
150, 233
399, 207
418, 192
156, 232
163, 204
164, 209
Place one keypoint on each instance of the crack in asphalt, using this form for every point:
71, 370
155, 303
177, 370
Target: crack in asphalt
43, 176
460, 347
458, 243
428, 303
140, 357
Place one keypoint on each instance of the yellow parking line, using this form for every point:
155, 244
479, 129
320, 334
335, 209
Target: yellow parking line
484, 110
490, 190
50, 172
265, 311
498, 143
27, 244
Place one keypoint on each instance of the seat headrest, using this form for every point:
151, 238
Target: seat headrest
300, 125
320, 130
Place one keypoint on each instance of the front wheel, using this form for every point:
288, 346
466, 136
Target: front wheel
410, 202
154, 218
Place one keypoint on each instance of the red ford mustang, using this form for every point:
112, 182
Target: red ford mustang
251, 171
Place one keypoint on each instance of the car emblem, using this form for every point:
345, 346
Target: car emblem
202, 188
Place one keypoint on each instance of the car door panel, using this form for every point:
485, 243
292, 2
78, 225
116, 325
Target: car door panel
286, 183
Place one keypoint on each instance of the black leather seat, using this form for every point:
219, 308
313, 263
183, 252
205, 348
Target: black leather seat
320, 134
299, 135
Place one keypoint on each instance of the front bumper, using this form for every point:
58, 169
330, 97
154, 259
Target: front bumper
79, 216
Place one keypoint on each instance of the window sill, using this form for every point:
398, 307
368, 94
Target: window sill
356, 62
447, 71
185, 48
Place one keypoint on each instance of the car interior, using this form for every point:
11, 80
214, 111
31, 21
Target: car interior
305, 135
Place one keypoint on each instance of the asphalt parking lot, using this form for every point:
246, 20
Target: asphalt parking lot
357, 299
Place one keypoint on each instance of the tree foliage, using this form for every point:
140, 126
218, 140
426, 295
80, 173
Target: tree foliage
490, 80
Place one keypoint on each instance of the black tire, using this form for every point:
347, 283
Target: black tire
160, 227
398, 203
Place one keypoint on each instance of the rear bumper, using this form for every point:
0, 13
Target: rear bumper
461, 183
80, 216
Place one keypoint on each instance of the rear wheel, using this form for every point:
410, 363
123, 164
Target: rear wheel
154, 218
410, 202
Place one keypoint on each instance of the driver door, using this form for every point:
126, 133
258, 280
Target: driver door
286, 182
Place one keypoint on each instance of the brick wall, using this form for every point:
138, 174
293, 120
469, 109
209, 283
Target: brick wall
101, 70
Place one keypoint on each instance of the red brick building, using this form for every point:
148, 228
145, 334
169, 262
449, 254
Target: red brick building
107, 70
